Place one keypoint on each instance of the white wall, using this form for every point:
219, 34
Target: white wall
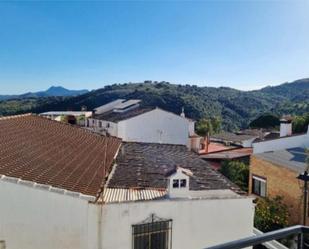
156, 126
32, 218
281, 143
247, 143
196, 223
95, 123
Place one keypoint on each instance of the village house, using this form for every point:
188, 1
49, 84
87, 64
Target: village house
71, 117
286, 139
66, 187
275, 165
274, 173
127, 120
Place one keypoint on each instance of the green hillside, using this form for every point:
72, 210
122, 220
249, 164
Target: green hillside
236, 108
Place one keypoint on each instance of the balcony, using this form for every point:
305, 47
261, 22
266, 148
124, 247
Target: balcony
266, 239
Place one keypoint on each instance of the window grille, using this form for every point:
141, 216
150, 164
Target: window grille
153, 233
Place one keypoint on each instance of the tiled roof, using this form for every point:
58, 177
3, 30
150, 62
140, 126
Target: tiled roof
118, 116
145, 165
294, 158
232, 137
229, 154
48, 152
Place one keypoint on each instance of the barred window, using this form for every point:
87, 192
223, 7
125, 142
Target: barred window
153, 235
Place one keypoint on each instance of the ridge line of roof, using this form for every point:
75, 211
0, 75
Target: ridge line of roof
57, 122
16, 116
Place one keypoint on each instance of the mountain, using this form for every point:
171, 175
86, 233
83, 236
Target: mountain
54, 91
236, 108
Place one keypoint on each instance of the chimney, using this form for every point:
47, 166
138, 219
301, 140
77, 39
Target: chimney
285, 126
182, 114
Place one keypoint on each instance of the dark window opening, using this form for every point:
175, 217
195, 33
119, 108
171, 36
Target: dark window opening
175, 183
154, 235
259, 186
183, 183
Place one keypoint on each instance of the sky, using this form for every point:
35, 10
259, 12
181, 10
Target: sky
89, 44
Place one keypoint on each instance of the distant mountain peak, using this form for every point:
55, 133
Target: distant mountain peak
53, 91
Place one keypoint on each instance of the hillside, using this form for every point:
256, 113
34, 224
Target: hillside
54, 91
236, 108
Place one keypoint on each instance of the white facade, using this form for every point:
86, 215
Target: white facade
285, 129
282, 143
155, 126
35, 218
32, 218
196, 223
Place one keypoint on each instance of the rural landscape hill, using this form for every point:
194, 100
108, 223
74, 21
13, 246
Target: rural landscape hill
53, 91
236, 108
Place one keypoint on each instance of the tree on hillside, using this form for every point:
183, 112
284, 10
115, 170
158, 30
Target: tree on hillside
265, 121
300, 123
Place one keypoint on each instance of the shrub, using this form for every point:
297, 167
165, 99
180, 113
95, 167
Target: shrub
271, 214
237, 172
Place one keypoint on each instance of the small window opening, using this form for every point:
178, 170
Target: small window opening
183, 183
176, 183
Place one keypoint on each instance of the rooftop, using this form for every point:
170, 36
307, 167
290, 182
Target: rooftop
52, 153
119, 116
229, 154
232, 137
69, 113
294, 158
146, 165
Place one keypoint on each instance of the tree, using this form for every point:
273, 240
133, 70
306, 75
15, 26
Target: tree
271, 214
300, 123
265, 121
237, 172
64, 118
208, 126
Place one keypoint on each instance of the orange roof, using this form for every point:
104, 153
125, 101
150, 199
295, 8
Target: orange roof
229, 154
48, 152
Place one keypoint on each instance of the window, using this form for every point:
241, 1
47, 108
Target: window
176, 183
183, 183
259, 186
153, 235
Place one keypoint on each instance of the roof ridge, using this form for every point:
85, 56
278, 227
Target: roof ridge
75, 127
16, 116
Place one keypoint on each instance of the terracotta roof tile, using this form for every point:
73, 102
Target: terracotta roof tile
49, 152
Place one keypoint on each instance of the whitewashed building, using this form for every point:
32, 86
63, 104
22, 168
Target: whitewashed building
73, 117
65, 187
133, 123
285, 140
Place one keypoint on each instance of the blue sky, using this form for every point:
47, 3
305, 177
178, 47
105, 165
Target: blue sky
83, 44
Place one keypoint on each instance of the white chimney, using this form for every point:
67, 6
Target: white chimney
182, 114
285, 127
